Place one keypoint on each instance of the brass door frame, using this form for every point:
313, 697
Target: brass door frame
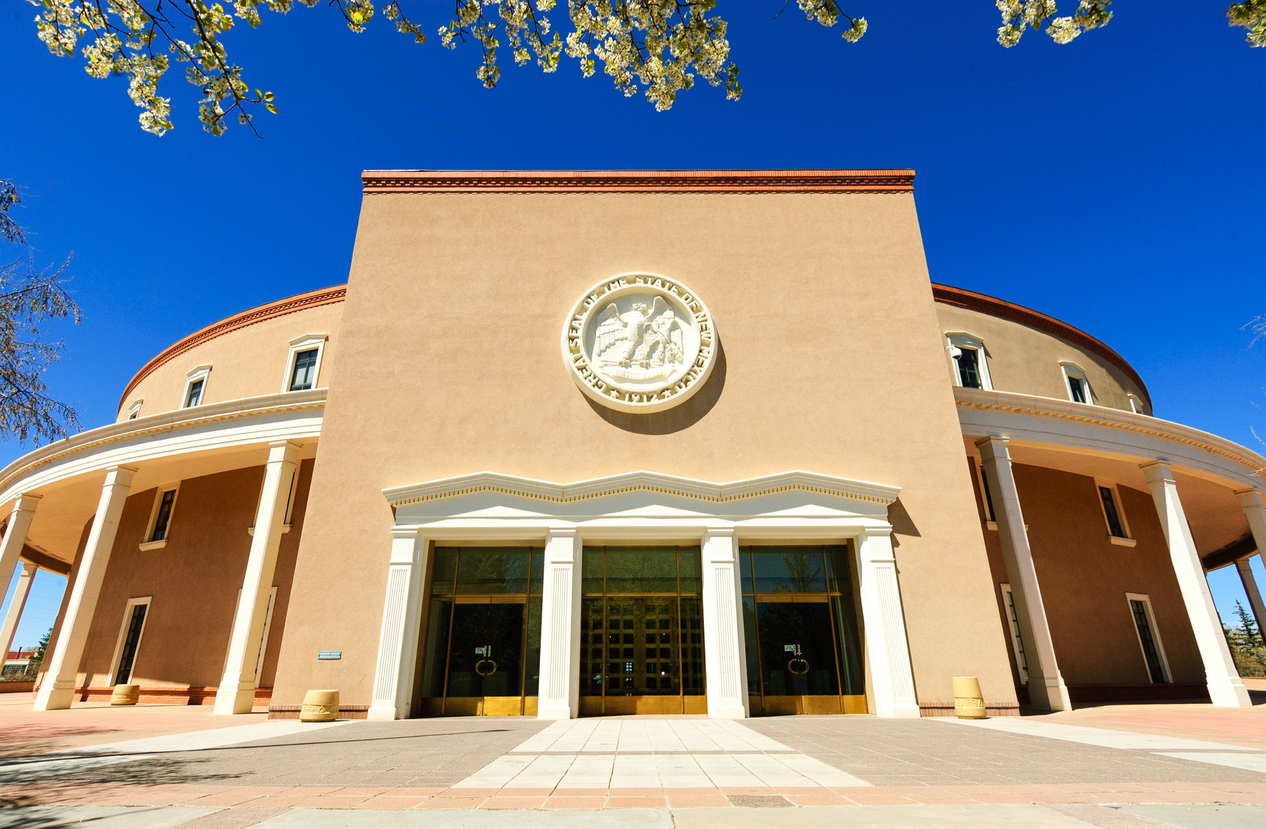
839, 703
481, 706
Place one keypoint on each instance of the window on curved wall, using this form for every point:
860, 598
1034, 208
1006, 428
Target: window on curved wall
303, 375
1078, 385
193, 395
971, 368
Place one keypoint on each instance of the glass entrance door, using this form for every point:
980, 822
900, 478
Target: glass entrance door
801, 627
481, 646
641, 631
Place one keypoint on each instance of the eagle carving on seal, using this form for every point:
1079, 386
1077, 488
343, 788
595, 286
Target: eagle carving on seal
641, 344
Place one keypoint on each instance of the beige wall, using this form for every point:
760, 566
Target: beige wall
194, 582
1084, 578
1025, 360
450, 363
246, 362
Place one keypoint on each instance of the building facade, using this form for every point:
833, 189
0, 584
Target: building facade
572, 444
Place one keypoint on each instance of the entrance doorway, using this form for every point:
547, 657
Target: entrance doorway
801, 625
481, 649
641, 631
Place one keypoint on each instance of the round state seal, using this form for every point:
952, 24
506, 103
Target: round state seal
639, 343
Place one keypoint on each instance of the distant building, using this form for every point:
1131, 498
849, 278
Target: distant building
603, 443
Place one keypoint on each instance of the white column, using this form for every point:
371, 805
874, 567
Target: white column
725, 659
236, 694
558, 697
1047, 691
1255, 512
16, 604
15, 537
58, 687
401, 621
1225, 687
887, 651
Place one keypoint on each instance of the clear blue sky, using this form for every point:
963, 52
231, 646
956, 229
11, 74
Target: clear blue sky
1114, 183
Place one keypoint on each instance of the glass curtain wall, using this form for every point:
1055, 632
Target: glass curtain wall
641, 631
481, 645
801, 627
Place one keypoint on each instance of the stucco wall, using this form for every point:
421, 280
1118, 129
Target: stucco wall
194, 582
1025, 360
1084, 578
830, 361
245, 362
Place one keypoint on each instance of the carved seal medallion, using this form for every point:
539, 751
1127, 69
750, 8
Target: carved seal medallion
639, 343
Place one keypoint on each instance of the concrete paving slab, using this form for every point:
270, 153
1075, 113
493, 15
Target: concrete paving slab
500, 819
211, 738
974, 816
1203, 817
1103, 737
1231, 759
101, 817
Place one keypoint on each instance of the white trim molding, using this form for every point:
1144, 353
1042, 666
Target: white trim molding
123, 628
134, 411
962, 341
649, 508
150, 542
307, 342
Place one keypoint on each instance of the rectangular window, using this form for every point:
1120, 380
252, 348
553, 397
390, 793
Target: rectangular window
129, 639
1077, 388
193, 396
990, 515
303, 376
1017, 642
1149, 640
1110, 512
165, 503
135, 411
969, 368
1113, 513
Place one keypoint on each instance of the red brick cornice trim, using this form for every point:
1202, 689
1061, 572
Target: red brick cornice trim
280, 308
1025, 316
638, 181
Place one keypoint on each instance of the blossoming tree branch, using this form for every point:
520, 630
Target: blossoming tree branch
656, 47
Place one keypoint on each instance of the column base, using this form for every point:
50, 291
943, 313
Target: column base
234, 700
1229, 693
383, 712
1049, 696
554, 712
907, 710
720, 711
53, 698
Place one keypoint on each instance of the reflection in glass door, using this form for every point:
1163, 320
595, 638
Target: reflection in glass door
481, 647
801, 627
641, 631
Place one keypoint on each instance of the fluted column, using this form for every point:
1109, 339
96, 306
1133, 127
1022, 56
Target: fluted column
558, 696
236, 694
58, 688
1225, 687
1047, 691
16, 604
401, 623
725, 659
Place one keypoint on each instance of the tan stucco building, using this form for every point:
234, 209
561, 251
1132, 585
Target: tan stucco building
637, 442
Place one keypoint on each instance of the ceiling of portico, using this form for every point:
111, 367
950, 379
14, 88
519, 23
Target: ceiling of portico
68, 504
1212, 508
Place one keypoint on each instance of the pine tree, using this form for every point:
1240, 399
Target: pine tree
1248, 625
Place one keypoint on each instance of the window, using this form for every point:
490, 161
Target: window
303, 366
135, 411
129, 640
1078, 385
1113, 514
971, 366
1136, 405
160, 517
1017, 643
196, 386
991, 517
304, 375
1149, 639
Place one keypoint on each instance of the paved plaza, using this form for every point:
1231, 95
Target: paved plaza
1126, 767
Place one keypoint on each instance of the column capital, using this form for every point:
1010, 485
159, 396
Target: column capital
561, 532
1157, 471
993, 447
119, 475
719, 530
26, 502
1249, 498
405, 532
